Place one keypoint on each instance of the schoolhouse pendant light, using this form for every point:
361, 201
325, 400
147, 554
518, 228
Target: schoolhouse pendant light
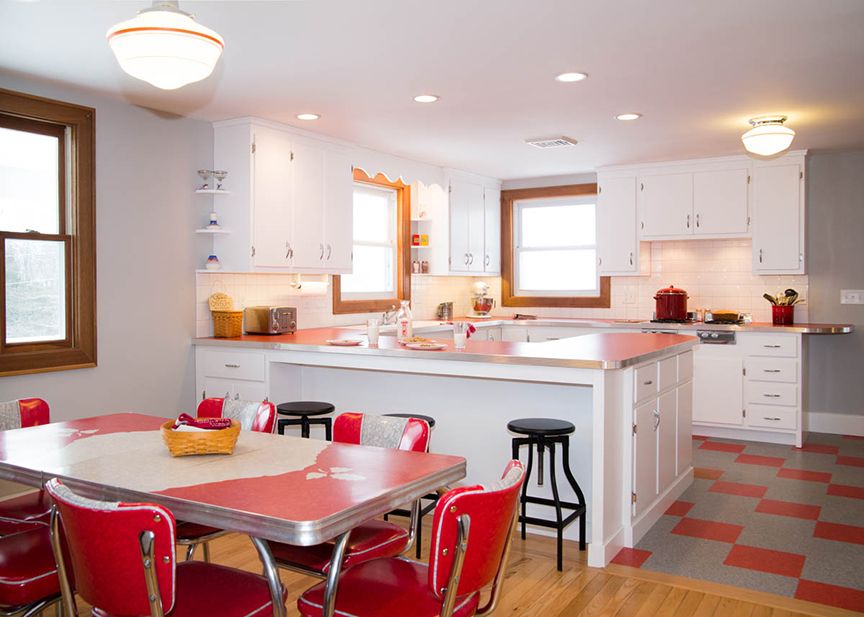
768, 135
165, 46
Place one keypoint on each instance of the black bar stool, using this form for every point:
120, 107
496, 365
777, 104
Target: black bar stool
432, 498
544, 433
305, 409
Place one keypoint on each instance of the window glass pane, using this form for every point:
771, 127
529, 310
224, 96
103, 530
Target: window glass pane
565, 225
35, 290
29, 185
373, 271
568, 270
374, 215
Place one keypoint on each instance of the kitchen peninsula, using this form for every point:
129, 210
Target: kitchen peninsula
630, 396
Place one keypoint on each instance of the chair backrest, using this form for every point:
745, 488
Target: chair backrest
23, 413
382, 431
491, 510
105, 550
252, 415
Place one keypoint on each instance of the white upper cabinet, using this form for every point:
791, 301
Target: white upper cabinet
665, 205
617, 244
475, 225
338, 213
272, 211
778, 216
461, 196
307, 180
720, 204
492, 231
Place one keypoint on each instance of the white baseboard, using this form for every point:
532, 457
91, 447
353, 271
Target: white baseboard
836, 423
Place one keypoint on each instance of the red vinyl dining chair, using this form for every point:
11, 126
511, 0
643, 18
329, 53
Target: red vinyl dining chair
28, 576
122, 557
375, 538
33, 506
471, 533
260, 419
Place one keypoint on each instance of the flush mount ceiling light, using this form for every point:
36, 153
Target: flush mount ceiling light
426, 98
308, 116
571, 77
165, 46
768, 135
630, 116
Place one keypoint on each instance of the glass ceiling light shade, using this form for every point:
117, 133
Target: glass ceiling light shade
768, 136
165, 46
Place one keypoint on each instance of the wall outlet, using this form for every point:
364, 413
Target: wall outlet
852, 296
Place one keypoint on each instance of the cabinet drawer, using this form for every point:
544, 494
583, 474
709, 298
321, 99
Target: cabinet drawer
250, 366
685, 367
766, 393
772, 369
776, 345
767, 416
667, 373
646, 381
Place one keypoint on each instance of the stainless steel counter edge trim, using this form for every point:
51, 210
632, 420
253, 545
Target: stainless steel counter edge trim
639, 325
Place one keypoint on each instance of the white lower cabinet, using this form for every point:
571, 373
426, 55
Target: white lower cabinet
235, 374
684, 421
717, 385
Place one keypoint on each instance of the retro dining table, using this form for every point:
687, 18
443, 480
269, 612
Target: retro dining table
273, 487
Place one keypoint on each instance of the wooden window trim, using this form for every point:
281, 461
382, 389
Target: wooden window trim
403, 255
508, 285
78, 230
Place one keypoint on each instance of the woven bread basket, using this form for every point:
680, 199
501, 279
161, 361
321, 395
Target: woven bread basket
227, 324
187, 443
220, 302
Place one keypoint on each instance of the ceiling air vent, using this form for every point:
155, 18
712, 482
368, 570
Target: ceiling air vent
551, 142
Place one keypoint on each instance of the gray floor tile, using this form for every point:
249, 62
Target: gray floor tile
835, 563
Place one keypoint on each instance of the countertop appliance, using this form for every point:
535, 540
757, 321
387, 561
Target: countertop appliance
444, 311
671, 304
727, 317
481, 303
270, 319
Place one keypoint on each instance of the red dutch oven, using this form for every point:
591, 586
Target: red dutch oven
671, 304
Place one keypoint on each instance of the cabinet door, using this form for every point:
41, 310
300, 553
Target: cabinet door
476, 228
667, 432
645, 455
460, 194
717, 385
720, 202
617, 246
492, 231
666, 205
272, 210
338, 213
777, 219
684, 432
308, 201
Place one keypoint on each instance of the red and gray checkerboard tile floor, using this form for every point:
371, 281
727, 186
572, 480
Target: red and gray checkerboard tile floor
773, 518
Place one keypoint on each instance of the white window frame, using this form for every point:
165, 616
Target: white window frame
518, 207
392, 243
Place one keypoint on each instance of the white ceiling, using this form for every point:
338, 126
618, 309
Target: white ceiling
696, 69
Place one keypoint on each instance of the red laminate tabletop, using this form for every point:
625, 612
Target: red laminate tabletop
301, 491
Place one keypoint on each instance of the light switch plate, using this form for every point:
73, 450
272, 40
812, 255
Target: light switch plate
852, 296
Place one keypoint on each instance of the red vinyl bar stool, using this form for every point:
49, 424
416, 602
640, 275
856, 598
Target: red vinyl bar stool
28, 576
34, 506
471, 539
122, 556
374, 538
253, 416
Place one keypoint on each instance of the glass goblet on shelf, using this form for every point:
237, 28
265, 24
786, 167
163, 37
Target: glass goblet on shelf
219, 174
205, 176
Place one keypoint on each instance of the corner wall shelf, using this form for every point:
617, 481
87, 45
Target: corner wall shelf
211, 192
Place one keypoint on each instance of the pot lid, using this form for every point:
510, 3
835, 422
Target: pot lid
671, 290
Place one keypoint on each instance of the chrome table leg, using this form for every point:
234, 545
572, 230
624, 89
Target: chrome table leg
333, 575
272, 576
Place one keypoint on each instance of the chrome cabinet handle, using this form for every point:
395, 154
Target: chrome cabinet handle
642, 224
471, 258
487, 261
232, 366
466, 259
329, 252
648, 383
771, 346
631, 258
773, 419
771, 370
321, 256
656, 419
771, 395
760, 256
697, 220
688, 221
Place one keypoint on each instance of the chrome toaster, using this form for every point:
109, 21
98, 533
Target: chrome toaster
269, 319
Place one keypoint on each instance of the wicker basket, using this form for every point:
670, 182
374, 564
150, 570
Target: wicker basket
227, 324
220, 302
186, 443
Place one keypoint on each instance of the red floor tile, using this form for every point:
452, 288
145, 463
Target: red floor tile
852, 461
817, 448
802, 474
832, 595
705, 473
708, 530
839, 533
737, 488
854, 437
679, 508
842, 490
722, 447
700, 437
764, 560
754, 459
788, 508
632, 557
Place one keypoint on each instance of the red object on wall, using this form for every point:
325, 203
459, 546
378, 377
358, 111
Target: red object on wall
671, 304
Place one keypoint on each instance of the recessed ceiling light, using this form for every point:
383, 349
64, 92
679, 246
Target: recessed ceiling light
630, 116
308, 116
426, 98
571, 77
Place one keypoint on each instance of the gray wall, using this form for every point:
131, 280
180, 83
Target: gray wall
835, 232
146, 212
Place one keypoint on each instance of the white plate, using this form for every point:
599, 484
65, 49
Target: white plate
426, 346
344, 342
428, 340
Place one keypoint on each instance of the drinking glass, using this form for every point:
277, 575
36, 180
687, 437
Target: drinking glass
460, 334
372, 329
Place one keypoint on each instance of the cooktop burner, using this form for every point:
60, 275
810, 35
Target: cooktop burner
673, 321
